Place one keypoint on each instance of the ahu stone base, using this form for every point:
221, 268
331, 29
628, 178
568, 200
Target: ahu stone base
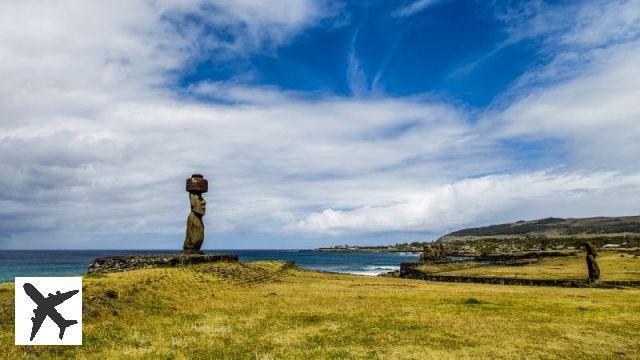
124, 263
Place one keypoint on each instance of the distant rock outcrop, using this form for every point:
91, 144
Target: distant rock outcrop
433, 252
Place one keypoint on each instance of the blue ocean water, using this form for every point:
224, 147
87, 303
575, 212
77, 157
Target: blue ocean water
74, 262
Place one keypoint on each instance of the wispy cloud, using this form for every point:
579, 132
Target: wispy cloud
356, 77
413, 8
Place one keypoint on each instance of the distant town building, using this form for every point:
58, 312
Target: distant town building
611, 246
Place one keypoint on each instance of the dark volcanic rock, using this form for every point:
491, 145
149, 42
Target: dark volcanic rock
124, 263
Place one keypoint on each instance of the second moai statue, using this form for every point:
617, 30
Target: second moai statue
196, 186
592, 264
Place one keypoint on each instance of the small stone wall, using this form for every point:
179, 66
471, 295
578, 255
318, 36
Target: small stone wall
124, 263
523, 256
409, 271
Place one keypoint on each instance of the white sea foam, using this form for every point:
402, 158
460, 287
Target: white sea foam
372, 270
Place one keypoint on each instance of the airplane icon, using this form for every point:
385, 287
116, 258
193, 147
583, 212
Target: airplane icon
47, 307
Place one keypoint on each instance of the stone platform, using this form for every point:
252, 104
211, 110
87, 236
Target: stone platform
124, 263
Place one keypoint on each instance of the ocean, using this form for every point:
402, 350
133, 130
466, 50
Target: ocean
75, 262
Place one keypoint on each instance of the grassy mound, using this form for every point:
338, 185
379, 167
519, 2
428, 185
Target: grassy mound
268, 310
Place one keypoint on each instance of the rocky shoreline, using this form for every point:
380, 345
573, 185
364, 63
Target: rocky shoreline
125, 263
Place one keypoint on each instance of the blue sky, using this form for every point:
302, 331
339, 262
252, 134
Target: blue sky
452, 49
316, 122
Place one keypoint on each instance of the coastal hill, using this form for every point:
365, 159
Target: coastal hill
523, 235
598, 228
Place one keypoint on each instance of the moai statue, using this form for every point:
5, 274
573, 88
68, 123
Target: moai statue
196, 186
592, 265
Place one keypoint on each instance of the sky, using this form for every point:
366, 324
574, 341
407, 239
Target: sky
316, 122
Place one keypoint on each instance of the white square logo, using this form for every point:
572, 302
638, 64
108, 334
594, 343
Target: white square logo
48, 310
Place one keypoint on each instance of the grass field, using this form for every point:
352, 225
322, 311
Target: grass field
613, 266
265, 311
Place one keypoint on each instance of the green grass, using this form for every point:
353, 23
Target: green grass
262, 311
613, 266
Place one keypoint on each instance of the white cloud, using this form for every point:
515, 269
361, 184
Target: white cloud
605, 22
94, 144
586, 97
584, 102
598, 113
490, 198
579, 24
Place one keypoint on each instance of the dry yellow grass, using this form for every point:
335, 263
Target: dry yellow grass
258, 311
613, 266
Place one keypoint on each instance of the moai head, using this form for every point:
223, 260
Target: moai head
198, 203
196, 185
591, 250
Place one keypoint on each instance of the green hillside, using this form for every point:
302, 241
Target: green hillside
618, 229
